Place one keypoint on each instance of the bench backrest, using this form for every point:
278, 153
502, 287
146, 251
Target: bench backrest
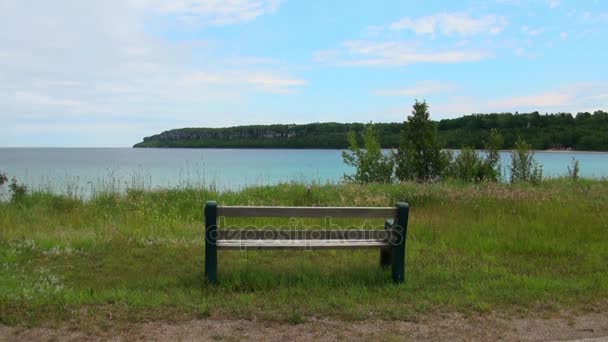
256, 211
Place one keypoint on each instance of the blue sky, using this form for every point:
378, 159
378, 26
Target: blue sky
107, 73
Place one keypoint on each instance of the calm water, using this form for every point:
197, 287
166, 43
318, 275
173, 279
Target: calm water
82, 169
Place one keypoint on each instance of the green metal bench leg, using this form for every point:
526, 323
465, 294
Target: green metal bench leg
210, 242
398, 243
385, 253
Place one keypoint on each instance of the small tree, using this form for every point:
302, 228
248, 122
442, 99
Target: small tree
370, 164
419, 156
491, 166
523, 166
573, 171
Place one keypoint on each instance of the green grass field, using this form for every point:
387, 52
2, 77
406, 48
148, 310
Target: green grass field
139, 255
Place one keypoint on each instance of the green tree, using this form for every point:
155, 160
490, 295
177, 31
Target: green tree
491, 165
524, 169
574, 170
419, 156
370, 164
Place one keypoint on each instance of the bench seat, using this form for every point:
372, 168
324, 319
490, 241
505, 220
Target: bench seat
300, 244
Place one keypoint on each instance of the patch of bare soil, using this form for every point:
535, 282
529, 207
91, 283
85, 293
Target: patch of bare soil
449, 327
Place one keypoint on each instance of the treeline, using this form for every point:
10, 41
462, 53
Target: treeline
314, 135
583, 131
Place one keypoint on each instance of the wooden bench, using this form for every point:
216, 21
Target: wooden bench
390, 241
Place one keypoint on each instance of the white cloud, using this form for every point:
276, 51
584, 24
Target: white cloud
554, 3
45, 100
462, 24
95, 62
572, 98
419, 89
261, 81
532, 31
374, 30
380, 48
563, 35
211, 12
394, 53
551, 99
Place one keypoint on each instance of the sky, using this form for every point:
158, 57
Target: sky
108, 72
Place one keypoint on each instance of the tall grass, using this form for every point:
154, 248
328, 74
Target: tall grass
138, 254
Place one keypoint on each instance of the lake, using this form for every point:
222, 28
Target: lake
81, 170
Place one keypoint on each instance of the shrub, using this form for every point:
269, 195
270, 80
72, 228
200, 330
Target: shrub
573, 172
419, 156
467, 166
3, 178
491, 165
370, 163
18, 191
524, 169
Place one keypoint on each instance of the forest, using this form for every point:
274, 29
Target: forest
561, 131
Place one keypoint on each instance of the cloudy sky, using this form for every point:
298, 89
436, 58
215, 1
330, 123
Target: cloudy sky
108, 72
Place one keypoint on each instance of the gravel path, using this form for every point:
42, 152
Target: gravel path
453, 327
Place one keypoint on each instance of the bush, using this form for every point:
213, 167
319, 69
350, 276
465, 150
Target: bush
573, 172
467, 166
524, 169
3, 178
491, 166
18, 191
370, 163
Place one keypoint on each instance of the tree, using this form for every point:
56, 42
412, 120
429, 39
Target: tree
419, 156
491, 166
370, 164
524, 169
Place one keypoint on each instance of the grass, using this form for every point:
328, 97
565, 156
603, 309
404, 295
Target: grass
139, 255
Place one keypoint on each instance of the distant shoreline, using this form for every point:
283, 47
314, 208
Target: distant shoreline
262, 148
560, 132
338, 149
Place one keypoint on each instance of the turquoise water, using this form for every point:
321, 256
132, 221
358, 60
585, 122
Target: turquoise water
81, 170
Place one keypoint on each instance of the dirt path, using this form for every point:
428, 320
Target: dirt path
452, 327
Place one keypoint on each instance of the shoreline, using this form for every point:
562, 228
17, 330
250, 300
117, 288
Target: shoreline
254, 148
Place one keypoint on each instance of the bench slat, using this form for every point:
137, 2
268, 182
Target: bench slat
358, 212
287, 234
300, 244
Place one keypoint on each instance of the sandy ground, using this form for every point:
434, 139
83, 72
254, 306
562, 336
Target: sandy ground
449, 327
